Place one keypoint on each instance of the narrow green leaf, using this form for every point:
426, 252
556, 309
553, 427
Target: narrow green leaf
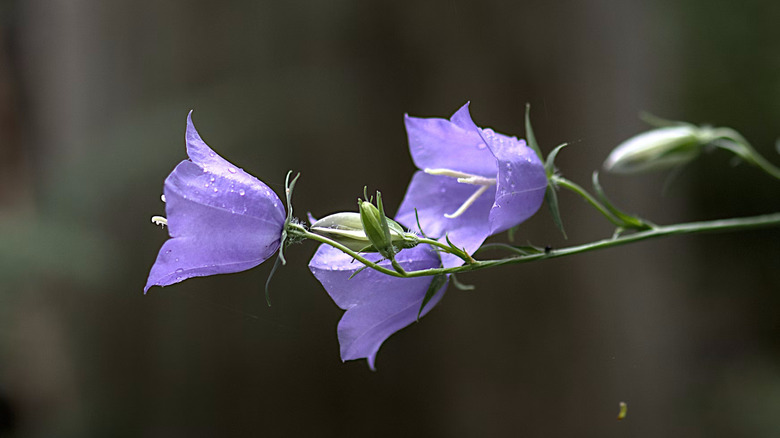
551, 198
629, 220
359, 271
460, 285
510, 233
529, 132
436, 283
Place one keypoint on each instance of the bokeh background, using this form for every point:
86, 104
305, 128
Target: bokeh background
93, 100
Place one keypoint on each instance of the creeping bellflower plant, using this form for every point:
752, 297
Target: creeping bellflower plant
473, 182
220, 218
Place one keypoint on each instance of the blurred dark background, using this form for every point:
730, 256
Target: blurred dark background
93, 100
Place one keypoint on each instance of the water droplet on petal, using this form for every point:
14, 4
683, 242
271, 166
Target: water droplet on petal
212, 154
179, 271
241, 192
212, 179
168, 251
177, 259
232, 169
216, 190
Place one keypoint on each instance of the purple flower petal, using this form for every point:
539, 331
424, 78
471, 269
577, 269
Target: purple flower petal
434, 196
521, 181
220, 218
449, 144
377, 305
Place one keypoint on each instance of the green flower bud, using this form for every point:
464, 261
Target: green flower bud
658, 149
377, 226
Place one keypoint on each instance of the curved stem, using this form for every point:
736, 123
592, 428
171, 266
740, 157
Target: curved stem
574, 187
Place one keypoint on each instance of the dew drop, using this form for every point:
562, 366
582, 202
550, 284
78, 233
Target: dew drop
232, 169
212, 154
241, 192
212, 179
216, 190
168, 251
179, 271
177, 259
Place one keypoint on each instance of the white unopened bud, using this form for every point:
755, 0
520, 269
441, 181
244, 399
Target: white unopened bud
347, 229
658, 149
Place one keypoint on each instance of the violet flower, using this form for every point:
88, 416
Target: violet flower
377, 305
473, 182
220, 218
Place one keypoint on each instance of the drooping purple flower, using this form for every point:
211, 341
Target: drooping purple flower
220, 218
473, 182
377, 305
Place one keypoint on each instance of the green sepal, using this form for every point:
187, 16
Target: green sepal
530, 138
288, 191
437, 282
419, 227
549, 163
628, 220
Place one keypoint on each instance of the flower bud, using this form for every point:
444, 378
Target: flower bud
347, 229
658, 149
377, 228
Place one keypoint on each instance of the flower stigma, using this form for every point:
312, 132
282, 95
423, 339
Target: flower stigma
464, 178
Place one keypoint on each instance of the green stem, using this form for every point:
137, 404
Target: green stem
574, 187
763, 221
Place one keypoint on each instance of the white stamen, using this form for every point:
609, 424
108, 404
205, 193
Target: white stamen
467, 204
478, 180
447, 172
464, 178
159, 220
162, 198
